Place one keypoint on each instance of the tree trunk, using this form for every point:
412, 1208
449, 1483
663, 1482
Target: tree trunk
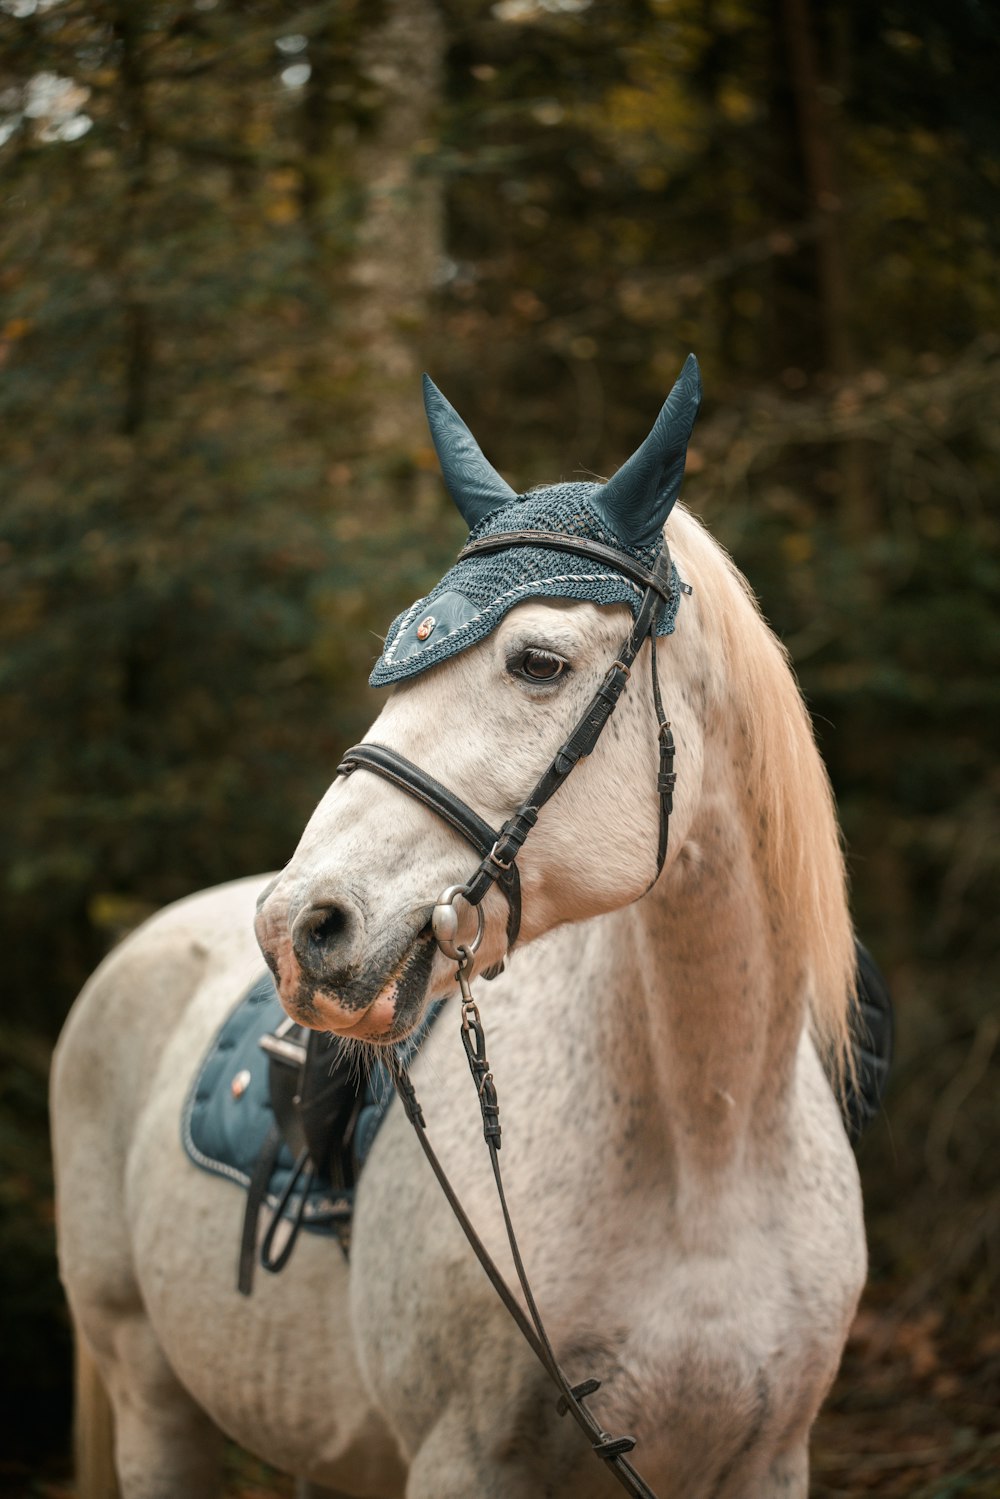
399, 234
816, 138
816, 122
138, 333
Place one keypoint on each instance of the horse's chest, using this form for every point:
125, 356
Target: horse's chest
714, 1328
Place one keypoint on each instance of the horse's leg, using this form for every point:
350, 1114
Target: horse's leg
165, 1445
786, 1478
459, 1458
444, 1467
93, 1429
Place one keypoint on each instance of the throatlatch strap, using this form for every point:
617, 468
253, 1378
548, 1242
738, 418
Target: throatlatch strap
666, 778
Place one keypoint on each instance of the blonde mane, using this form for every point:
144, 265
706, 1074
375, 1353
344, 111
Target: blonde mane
786, 781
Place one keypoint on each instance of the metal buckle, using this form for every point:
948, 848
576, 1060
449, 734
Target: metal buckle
492, 857
287, 1042
445, 924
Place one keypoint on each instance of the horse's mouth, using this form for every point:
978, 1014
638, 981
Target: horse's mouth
380, 1016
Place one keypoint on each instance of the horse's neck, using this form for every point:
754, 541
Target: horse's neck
700, 1000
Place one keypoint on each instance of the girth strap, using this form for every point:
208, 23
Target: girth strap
399, 771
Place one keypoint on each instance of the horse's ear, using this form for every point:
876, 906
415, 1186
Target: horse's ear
473, 484
642, 493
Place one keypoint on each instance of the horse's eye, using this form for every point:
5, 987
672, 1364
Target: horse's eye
538, 666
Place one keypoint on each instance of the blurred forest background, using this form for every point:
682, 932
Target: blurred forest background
233, 233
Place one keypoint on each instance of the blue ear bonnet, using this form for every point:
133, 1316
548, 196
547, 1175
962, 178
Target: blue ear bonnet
475, 594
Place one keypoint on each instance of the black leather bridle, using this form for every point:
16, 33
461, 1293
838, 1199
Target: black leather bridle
499, 849
498, 852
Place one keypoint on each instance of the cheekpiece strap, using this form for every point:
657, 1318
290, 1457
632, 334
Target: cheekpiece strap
586, 733
499, 850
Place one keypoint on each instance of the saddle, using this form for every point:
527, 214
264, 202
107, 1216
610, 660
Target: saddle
290, 1116
326, 1116
316, 1101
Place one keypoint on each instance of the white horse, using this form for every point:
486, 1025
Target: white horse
678, 1171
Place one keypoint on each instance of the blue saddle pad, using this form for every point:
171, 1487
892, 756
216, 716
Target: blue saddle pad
228, 1115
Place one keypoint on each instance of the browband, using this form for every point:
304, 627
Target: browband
596, 551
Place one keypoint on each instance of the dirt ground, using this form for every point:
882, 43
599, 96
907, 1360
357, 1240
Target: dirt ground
915, 1411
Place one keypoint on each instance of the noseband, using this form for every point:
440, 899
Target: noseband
499, 849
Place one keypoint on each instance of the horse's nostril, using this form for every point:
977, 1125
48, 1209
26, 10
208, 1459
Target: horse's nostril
320, 937
327, 927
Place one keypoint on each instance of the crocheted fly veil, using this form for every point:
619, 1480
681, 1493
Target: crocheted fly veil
627, 513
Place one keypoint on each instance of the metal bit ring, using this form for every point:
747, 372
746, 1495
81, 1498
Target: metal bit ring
445, 923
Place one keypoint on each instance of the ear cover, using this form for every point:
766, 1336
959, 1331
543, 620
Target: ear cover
480, 590
473, 483
643, 492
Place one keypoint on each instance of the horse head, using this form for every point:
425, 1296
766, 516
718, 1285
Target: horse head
489, 674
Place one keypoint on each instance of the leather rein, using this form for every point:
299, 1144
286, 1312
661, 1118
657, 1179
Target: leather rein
498, 852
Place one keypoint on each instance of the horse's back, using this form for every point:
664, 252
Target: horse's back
141, 988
